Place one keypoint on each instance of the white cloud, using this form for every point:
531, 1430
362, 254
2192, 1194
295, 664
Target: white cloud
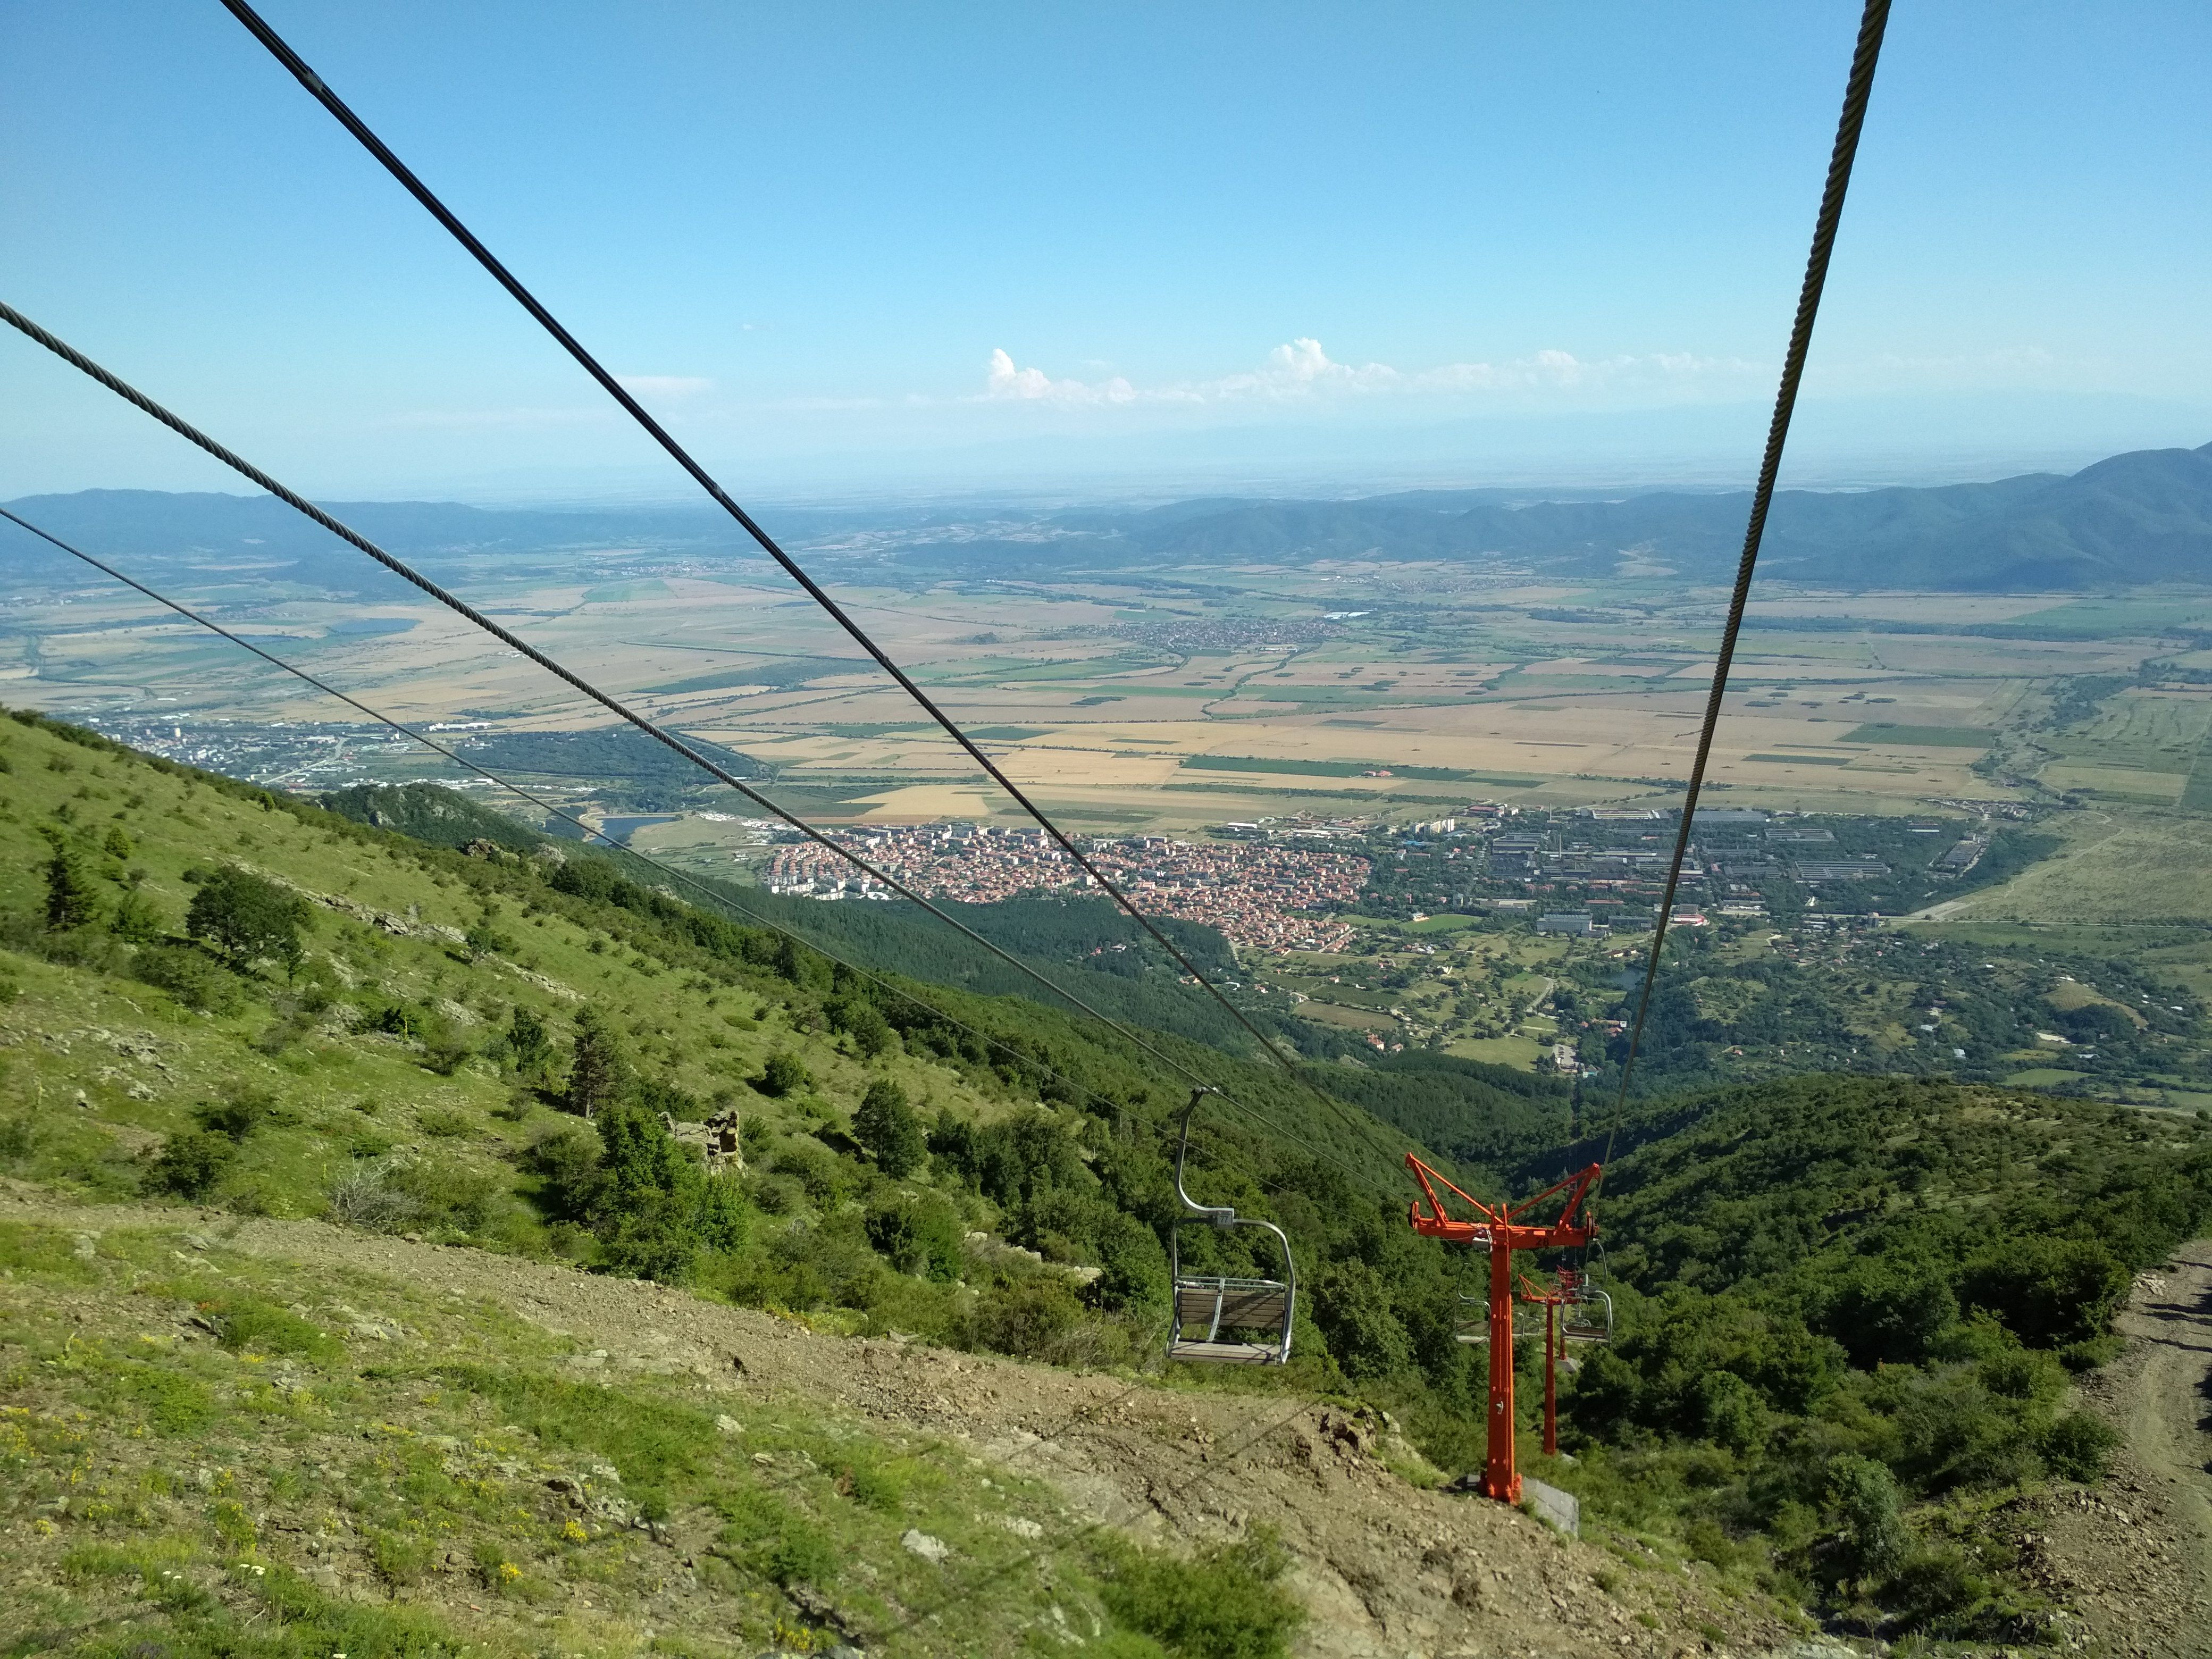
1003, 381
1301, 371
666, 385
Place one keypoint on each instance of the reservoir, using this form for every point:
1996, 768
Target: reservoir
621, 829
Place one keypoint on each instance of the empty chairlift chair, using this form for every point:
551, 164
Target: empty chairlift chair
1585, 1311
1244, 1321
1472, 1325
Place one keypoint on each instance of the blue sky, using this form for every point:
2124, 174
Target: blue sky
935, 247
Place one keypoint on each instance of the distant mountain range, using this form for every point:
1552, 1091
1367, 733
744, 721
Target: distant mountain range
2134, 519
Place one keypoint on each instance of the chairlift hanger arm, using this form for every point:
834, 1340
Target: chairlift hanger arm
1438, 1224
1221, 1215
1575, 1186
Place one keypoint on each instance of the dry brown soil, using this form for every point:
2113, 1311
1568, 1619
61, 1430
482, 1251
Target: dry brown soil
2133, 1557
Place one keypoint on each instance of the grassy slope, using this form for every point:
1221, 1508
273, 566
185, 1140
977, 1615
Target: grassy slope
220, 1455
352, 1096
141, 1060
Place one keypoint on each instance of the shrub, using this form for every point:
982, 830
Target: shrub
565, 1161
654, 1205
362, 1197
1223, 1603
889, 1130
1734, 1417
528, 1042
248, 1324
136, 919
1028, 1317
766, 1535
1884, 1312
428, 1194
917, 1234
187, 974
1935, 1590
239, 1114
816, 1168
2049, 1291
2078, 1446
783, 1073
1870, 1510
400, 1557
193, 1163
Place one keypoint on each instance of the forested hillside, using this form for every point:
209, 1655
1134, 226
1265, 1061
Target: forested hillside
1851, 1306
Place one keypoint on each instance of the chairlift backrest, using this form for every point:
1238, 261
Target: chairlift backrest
1472, 1324
1587, 1315
1245, 1321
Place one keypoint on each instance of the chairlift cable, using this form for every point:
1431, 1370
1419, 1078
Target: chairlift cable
291, 498
317, 88
711, 894
239, 463
1857, 88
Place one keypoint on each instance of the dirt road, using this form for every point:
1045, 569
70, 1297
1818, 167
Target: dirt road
2136, 1557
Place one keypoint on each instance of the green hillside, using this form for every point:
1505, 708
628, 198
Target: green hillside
214, 998
1867, 1297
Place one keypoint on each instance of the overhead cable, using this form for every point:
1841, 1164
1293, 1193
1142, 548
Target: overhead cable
184, 429
317, 88
713, 894
1858, 87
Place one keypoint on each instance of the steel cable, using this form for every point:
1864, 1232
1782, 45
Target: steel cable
237, 463
713, 894
1858, 87
317, 88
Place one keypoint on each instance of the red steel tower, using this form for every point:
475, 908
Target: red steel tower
1500, 1230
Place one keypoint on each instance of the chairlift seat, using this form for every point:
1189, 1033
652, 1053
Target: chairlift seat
1472, 1325
1241, 1304
1225, 1353
1587, 1317
1243, 1322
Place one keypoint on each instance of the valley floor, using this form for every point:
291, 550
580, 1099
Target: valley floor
1384, 1565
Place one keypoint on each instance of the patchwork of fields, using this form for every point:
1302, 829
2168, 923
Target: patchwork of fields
1201, 695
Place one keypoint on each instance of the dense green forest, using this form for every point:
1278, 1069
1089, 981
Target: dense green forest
1847, 1300
1850, 1305
1898, 1002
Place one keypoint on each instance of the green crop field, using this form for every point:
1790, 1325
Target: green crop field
1924, 737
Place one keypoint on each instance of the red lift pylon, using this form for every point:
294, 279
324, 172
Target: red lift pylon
1499, 1229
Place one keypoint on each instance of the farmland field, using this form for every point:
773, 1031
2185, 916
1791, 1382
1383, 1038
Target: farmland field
1362, 697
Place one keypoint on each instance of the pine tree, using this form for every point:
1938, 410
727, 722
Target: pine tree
889, 1129
600, 1072
72, 900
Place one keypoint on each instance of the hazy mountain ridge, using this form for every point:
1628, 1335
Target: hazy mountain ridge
2132, 520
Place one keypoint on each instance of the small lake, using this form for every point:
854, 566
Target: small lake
621, 829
